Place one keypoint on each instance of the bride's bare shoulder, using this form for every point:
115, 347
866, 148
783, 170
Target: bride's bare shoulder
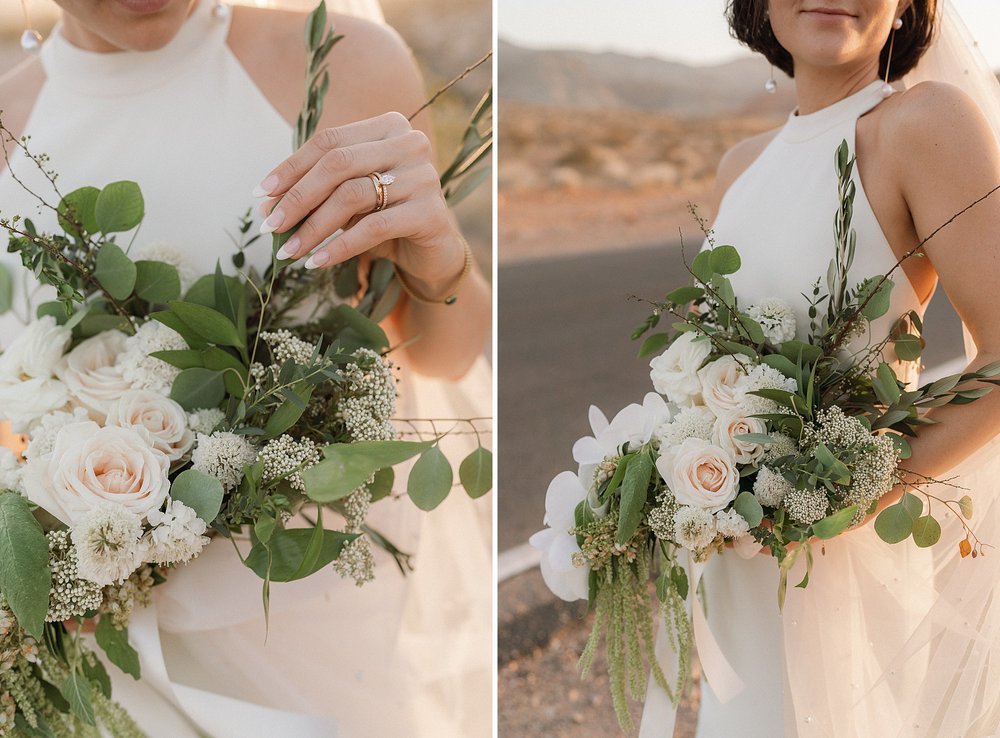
18, 91
371, 69
737, 160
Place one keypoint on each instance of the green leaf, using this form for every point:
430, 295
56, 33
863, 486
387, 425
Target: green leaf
315, 26
288, 550
763, 438
76, 689
263, 527
289, 412
834, 525
6, 289
879, 303
895, 523
783, 364
634, 490
95, 672
171, 320
702, 266
354, 330
965, 505
476, 472
749, 507
234, 372
430, 479
884, 384
684, 295
346, 466
679, 578
82, 203
157, 282
181, 358
908, 347
725, 260
663, 586
116, 646
926, 531
25, 578
200, 491
119, 207
654, 344
210, 324
381, 487
751, 327
115, 271
198, 388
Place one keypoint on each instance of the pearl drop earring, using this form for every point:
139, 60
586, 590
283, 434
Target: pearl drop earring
897, 24
220, 11
887, 89
31, 39
772, 84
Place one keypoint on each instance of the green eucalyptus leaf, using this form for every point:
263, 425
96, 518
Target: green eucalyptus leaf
115, 644
430, 479
476, 472
115, 271
119, 207
79, 205
926, 531
381, 486
798, 351
895, 523
684, 295
157, 281
879, 292
965, 505
725, 260
702, 266
201, 492
783, 364
908, 347
750, 508
25, 577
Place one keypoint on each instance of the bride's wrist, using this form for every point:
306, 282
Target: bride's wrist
443, 289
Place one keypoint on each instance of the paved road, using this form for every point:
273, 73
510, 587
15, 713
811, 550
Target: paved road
564, 327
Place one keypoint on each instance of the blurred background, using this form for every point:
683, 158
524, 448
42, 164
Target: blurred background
613, 116
441, 53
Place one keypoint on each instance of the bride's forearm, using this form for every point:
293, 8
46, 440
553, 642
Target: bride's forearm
447, 338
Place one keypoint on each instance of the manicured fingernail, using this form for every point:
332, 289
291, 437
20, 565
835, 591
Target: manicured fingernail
273, 221
288, 250
265, 187
320, 258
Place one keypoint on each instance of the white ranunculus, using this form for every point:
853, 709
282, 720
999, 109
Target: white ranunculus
91, 375
28, 389
721, 382
165, 420
730, 425
675, 371
700, 474
566, 580
90, 466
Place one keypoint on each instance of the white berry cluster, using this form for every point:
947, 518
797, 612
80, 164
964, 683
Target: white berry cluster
370, 400
287, 457
285, 345
806, 506
71, 595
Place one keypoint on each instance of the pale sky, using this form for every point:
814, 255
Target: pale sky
692, 31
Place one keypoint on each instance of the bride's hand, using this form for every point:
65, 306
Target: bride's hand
327, 179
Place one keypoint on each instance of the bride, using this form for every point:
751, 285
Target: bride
196, 102
885, 641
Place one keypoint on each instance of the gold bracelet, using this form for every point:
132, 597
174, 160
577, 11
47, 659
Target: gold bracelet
452, 296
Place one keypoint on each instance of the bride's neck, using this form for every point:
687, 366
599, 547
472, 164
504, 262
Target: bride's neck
817, 88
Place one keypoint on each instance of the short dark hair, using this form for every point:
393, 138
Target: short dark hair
750, 25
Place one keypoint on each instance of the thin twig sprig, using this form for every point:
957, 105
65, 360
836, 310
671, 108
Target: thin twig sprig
468, 70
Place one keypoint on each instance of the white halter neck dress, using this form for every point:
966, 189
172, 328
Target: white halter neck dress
399, 656
848, 657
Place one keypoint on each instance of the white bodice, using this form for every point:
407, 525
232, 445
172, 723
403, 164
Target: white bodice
779, 214
185, 122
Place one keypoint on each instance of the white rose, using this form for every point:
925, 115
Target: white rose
28, 389
675, 371
566, 580
165, 420
700, 474
721, 385
35, 352
728, 426
90, 374
90, 466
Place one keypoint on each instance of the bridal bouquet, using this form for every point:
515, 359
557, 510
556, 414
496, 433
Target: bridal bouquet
163, 409
752, 439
